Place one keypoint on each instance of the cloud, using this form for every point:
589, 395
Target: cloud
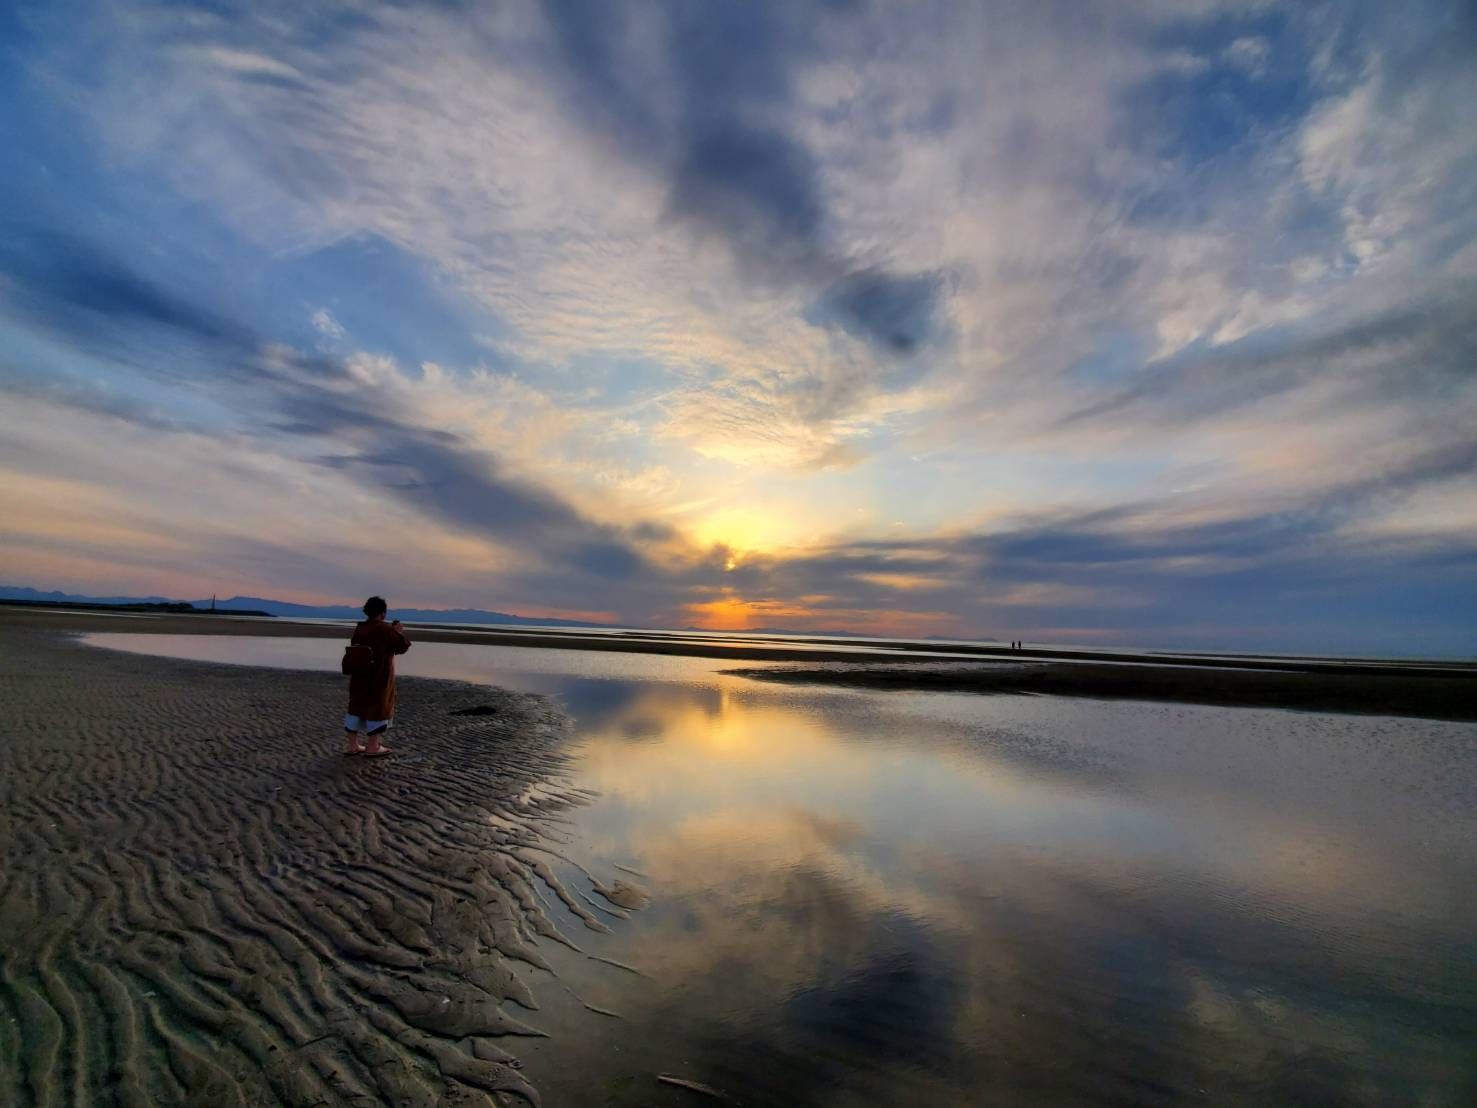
70, 285
986, 273
1174, 570
318, 398
440, 473
757, 188
326, 325
1415, 353
896, 313
250, 65
731, 167
1250, 53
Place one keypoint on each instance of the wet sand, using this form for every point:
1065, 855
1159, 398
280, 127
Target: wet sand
1430, 690
202, 901
1450, 695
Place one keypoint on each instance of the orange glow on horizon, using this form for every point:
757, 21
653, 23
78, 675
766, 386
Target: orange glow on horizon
733, 613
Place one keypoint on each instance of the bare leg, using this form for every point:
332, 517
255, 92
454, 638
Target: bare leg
375, 747
351, 743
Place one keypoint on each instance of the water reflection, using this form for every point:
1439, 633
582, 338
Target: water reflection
943, 897
867, 897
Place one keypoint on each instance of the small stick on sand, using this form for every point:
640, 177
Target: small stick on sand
617, 965
691, 1086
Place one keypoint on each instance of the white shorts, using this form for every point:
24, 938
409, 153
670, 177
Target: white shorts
368, 726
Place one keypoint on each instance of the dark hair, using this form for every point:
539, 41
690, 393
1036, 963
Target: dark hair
375, 606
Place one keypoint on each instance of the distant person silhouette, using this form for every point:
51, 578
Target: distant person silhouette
369, 660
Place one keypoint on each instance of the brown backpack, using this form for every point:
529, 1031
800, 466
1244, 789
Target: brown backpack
358, 659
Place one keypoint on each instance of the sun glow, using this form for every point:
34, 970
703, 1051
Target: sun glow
733, 613
745, 531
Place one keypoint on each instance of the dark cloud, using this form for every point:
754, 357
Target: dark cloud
90, 298
71, 286
1117, 547
439, 473
1411, 352
895, 313
609, 560
755, 186
84, 396
719, 140
1298, 573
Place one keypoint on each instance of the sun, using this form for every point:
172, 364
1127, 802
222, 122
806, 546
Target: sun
744, 531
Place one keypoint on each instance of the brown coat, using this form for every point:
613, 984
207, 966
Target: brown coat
372, 694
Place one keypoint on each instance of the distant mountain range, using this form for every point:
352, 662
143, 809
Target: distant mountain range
298, 611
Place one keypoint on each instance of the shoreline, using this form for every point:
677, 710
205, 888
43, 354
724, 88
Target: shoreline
1446, 691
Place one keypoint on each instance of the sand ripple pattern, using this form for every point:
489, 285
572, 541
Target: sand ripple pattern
203, 902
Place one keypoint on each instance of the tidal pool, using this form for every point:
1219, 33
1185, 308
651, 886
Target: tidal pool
881, 897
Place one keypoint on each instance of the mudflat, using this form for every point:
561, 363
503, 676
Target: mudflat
1448, 693
203, 901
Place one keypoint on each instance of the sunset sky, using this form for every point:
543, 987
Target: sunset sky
1145, 323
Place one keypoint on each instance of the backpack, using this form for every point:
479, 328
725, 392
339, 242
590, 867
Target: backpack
358, 660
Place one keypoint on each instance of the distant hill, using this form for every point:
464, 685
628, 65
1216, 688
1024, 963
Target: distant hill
257, 605
11, 592
414, 615
31, 598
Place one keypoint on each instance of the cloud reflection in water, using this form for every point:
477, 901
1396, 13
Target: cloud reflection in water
867, 898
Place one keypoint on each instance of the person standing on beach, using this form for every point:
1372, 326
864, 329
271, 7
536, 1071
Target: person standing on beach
372, 687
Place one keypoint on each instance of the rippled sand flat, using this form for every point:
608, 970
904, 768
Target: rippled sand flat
204, 902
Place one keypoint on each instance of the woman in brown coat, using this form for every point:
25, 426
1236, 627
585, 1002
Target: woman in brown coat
372, 692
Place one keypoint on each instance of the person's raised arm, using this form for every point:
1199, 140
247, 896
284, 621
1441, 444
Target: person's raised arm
402, 644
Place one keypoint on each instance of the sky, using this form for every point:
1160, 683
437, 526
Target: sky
1142, 323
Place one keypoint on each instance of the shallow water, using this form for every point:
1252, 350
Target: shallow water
865, 897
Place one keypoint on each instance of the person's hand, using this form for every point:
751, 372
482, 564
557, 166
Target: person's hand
396, 625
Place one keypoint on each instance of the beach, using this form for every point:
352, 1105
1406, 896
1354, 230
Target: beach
204, 901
